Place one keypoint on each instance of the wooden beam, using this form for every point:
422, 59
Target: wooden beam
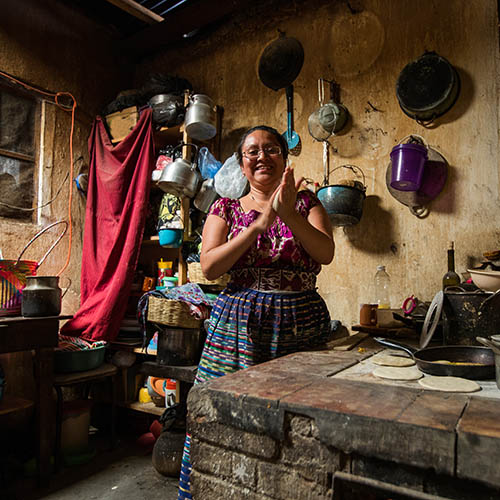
183, 20
137, 10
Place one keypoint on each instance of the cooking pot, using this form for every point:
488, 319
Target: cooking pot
467, 314
181, 177
180, 346
200, 118
344, 202
427, 87
205, 196
42, 296
167, 109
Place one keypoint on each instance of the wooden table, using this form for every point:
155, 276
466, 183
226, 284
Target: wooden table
41, 335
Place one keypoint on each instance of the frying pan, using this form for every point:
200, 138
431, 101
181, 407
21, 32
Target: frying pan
281, 62
428, 360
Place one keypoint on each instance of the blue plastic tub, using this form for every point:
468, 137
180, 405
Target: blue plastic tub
171, 238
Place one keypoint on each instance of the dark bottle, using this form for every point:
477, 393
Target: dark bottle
451, 278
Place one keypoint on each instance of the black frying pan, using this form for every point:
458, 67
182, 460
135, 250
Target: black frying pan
427, 360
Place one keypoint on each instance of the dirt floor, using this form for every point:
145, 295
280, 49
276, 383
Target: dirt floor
125, 473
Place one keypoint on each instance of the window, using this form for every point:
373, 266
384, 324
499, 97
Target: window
18, 154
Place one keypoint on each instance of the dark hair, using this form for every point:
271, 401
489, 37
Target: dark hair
279, 138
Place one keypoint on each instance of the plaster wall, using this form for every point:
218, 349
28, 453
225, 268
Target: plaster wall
364, 45
55, 50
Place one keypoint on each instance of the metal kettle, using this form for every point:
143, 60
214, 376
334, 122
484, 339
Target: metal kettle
206, 196
181, 177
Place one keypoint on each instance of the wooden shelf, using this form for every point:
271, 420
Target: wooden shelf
168, 135
143, 407
182, 373
12, 404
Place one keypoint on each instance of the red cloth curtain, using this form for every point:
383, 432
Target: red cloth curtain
117, 201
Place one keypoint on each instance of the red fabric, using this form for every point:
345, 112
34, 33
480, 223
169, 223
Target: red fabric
117, 200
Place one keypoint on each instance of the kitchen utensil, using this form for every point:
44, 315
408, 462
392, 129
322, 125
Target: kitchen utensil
432, 319
344, 203
496, 352
471, 362
167, 109
180, 177
427, 88
200, 120
13, 274
206, 195
292, 138
42, 296
433, 181
467, 314
486, 280
170, 237
280, 62
408, 161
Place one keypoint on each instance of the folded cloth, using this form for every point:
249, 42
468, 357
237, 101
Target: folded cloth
67, 343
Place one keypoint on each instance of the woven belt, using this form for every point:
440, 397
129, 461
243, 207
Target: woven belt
266, 279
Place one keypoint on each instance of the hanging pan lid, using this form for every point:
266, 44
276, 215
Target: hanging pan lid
427, 87
280, 62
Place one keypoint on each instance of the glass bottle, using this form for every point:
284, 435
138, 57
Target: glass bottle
382, 288
451, 278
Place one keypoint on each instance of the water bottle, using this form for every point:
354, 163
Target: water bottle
382, 288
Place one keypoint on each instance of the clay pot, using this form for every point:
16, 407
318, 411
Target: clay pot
167, 453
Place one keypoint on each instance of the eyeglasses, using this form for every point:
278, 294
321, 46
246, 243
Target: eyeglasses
253, 154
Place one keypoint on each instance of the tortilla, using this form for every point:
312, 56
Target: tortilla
398, 373
385, 359
449, 384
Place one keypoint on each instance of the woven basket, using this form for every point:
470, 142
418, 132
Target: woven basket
12, 282
196, 275
171, 313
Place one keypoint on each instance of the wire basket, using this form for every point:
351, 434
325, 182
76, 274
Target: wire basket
171, 313
196, 275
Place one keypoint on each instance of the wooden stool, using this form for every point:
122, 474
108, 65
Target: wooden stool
105, 371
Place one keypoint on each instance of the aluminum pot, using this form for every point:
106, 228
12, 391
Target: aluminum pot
205, 196
200, 120
181, 177
42, 296
167, 109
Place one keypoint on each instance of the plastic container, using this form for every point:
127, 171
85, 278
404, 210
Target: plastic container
382, 284
171, 238
408, 161
164, 270
170, 281
78, 361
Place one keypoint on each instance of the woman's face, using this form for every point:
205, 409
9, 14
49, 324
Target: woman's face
262, 160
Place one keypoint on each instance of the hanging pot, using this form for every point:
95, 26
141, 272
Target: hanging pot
408, 162
200, 118
344, 202
205, 196
280, 62
427, 87
180, 177
167, 109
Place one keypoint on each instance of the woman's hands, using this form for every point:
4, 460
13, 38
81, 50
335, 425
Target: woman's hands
285, 196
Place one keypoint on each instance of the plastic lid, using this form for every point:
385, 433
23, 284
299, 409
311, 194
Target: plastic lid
171, 278
380, 268
164, 264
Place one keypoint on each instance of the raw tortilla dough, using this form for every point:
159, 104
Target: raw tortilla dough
385, 359
449, 384
397, 373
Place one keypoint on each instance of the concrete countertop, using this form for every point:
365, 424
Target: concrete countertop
453, 433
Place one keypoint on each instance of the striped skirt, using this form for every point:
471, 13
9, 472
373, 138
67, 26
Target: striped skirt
248, 327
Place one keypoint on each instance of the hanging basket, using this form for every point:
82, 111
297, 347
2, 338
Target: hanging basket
171, 313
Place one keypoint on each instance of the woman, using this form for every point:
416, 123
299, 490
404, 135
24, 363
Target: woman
273, 242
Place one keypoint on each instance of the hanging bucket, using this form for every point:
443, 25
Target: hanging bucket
408, 161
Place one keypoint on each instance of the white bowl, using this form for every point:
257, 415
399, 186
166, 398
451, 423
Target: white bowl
487, 280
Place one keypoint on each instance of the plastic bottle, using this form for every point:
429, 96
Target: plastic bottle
170, 388
382, 288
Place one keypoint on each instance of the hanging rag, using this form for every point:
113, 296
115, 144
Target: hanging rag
117, 200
